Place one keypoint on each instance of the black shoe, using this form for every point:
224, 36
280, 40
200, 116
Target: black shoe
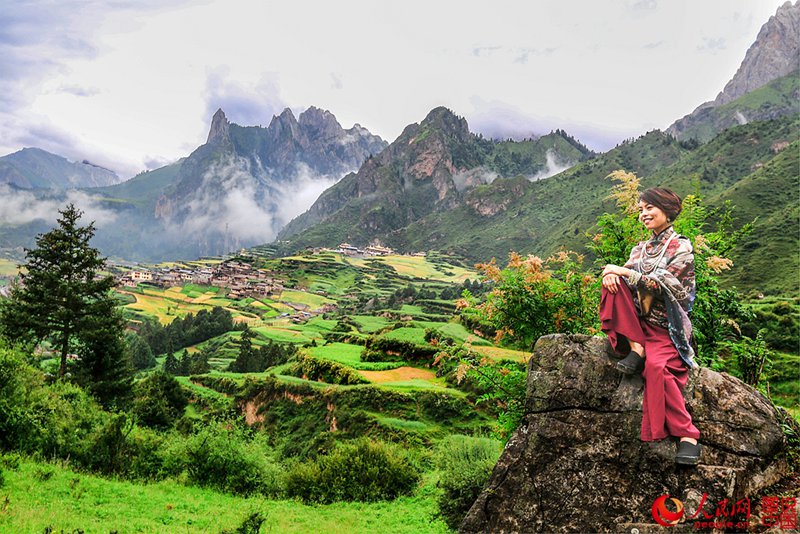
633, 363
688, 453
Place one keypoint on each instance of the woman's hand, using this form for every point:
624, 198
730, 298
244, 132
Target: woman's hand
611, 282
611, 275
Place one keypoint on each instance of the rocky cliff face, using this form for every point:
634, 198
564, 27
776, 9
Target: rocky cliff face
775, 54
411, 178
428, 170
576, 464
219, 133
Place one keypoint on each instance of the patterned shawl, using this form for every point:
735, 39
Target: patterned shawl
665, 287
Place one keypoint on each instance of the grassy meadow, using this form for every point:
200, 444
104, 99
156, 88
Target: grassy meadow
46, 497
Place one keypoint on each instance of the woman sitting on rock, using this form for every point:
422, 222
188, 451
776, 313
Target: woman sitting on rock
644, 309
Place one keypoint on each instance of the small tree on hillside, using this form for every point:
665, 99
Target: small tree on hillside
63, 299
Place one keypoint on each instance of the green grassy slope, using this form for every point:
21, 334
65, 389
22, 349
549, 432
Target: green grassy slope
39, 497
778, 97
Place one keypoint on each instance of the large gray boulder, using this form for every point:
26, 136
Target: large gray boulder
576, 463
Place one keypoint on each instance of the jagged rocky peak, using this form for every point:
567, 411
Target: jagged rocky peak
220, 128
775, 53
447, 121
319, 121
284, 124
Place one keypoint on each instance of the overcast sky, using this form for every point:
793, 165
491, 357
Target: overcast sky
132, 84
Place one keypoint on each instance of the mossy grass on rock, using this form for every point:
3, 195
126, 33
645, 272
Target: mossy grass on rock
576, 464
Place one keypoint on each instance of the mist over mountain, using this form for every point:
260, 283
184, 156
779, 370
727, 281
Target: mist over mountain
236, 190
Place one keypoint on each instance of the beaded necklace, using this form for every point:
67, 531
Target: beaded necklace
649, 260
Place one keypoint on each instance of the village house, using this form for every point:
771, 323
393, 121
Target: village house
140, 276
377, 250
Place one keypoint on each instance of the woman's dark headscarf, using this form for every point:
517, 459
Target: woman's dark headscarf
663, 199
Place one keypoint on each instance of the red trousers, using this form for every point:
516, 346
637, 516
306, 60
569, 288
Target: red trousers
665, 375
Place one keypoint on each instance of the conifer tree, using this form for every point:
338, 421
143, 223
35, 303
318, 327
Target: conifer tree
185, 363
64, 300
171, 365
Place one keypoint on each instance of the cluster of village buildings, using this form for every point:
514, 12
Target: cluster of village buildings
241, 280
372, 250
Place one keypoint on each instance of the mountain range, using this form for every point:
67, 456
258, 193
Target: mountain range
32, 168
440, 186
237, 189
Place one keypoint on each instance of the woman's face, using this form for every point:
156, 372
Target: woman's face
652, 217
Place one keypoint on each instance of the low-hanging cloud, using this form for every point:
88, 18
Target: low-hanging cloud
242, 204
22, 207
552, 167
473, 177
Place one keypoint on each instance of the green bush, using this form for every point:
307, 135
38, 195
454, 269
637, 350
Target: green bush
465, 463
17, 381
159, 400
66, 415
533, 297
325, 370
222, 456
363, 470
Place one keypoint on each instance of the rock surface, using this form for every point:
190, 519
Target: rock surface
576, 463
775, 53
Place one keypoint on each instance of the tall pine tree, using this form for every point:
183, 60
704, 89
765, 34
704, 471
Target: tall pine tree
65, 301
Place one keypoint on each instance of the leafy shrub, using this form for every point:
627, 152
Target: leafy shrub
500, 385
145, 454
222, 456
325, 370
159, 400
250, 525
752, 358
65, 417
534, 297
17, 382
379, 349
363, 470
465, 463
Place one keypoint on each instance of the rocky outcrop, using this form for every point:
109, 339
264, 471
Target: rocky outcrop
411, 178
219, 132
775, 53
576, 464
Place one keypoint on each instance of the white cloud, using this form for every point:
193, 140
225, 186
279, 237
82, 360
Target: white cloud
234, 202
23, 207
553, 166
